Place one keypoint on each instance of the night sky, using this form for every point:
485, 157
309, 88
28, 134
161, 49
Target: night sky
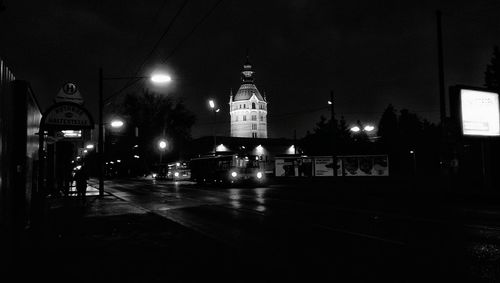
370, 53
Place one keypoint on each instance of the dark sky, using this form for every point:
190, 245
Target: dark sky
370, 53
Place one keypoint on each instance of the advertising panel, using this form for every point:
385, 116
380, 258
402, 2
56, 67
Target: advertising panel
323, 166
480, 113
365, 165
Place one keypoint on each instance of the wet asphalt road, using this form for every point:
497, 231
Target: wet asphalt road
316, 234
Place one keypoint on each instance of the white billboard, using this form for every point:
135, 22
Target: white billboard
480, 113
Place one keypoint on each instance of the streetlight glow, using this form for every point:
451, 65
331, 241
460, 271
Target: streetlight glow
368, 128
116, 123
90, 146
211, 103
161, 78
355, 129
329, 102
162, 144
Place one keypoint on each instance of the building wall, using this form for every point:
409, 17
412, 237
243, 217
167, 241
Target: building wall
241, 114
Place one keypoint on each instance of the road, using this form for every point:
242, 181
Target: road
318, 234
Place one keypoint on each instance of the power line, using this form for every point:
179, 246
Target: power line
167, 29
132, 82
193, 30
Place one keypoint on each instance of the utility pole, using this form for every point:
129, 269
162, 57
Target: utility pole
334, 130
101, 136
442, 104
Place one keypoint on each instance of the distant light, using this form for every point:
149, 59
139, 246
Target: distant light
329, 102
78, 167
218, 109
176, 174
160, 78
154, 175
162, 144
234, 174
368, 128
90, 146
211, 103
355, 129
116, 123
78, 157
178, 164
85, 151
291, 150
111, 162
259, 175
136, 156
411, 151
136, 145
118, 160
72, 133
221, 147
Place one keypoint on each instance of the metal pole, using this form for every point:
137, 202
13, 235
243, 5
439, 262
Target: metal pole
215, 136
101, 136
332, 119
442, 105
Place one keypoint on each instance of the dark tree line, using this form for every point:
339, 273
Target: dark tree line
150, 117
408, 139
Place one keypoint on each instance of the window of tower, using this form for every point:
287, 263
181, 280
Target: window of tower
254, 127
244, 117
254, 117
253, 105
254, 135
244, 106
261, 118
236, 119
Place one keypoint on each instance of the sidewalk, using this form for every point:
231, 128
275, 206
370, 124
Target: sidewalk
110, 240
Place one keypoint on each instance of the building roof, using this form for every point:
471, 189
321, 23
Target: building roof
247, 88
246, 91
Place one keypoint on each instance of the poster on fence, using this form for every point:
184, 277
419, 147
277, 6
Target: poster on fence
365, 165
323, 166
286, 167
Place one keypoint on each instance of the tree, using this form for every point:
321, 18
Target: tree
492, 73
319, 142
388, 127
154, 116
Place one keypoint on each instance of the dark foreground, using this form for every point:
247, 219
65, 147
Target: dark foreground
144, 232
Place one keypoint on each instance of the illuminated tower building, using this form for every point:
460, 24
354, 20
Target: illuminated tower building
248, 109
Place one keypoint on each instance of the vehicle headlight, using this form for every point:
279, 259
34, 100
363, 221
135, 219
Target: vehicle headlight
234, 174
259, 175
176, 174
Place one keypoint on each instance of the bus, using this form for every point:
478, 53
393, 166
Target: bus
228, 169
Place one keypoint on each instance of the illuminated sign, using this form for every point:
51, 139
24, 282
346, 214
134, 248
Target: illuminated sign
66, 116
480, 113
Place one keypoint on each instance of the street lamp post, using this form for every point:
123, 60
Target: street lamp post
211, 103
334, 126
155, 78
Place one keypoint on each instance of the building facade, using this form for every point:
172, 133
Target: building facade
248, 108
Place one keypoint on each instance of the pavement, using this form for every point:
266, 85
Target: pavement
110, 240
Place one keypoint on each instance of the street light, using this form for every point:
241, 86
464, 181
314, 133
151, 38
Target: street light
116, 123
211, 103
157, 78
162, 145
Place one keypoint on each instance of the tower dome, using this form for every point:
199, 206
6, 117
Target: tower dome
248, 109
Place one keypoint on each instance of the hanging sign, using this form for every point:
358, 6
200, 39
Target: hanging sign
69, 93
67, 115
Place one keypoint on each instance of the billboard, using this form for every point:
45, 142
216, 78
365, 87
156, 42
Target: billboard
323, 166
480, 113
365, 165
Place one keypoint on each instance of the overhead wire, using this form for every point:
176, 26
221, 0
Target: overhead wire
151, 52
